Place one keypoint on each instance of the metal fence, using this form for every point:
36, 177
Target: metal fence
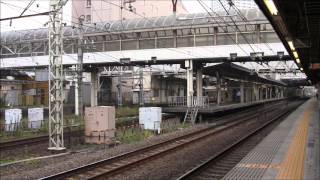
202, 101
22, 125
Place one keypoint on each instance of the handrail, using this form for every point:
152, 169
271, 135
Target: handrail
199, 101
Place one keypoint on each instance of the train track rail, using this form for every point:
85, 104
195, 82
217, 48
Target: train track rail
9, 145
223, 161
23, 142
108, 167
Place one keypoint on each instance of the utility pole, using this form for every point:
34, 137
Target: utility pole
78, 84
55, 76
119, 86
141, 93
174, 6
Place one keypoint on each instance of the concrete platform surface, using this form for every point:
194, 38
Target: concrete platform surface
290, 151
215, 109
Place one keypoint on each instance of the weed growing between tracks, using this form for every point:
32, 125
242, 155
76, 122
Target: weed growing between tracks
133, 135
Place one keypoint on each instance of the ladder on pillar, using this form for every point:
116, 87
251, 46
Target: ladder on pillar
191, 114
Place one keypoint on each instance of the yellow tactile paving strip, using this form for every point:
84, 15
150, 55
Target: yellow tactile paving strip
292, 167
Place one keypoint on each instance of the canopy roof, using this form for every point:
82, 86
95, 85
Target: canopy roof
234, 71
141, 24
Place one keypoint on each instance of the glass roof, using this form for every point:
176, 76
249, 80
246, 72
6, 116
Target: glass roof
139, 24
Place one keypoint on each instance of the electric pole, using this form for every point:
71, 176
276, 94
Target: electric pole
78, 84
141, 93
119, 97
55, 76
174, 6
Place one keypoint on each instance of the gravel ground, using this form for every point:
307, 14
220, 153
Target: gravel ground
36, 150
41, 168
166, 168
172, 165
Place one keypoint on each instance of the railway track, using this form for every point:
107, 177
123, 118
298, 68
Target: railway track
222, 162
9, 145
115, 165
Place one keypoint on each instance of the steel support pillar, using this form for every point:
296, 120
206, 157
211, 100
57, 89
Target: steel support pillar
270, 92
242, 92
94, 89
189, 67
55, 76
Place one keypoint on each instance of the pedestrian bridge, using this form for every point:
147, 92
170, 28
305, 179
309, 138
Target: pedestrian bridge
165, 40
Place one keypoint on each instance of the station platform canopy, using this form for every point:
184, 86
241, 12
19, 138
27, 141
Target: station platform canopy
296, 82
297, 23
233, 71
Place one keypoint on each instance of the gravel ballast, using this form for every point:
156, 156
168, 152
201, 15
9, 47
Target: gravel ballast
40, 168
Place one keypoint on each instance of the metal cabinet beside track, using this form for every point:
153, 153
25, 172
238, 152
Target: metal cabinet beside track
99, 124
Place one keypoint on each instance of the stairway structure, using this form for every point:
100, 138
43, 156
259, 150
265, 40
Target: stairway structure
191, 114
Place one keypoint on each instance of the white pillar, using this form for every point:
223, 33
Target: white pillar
94, 89
242, 92
189, 67
218, 88
256, 92
199, 86
199, 83
76, 97
270, 96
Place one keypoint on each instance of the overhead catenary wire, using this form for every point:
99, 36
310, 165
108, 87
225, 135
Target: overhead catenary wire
266, 43
237, 29
245, 20
28, 6
121, 7
234, 23
225, 30
167, 48
182, 52
204, 6
144, 18
16, 6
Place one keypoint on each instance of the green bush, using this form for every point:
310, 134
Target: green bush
126, 111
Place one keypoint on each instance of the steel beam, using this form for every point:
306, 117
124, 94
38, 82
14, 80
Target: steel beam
56, 142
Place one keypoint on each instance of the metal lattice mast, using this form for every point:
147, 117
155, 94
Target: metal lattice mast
55, 76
